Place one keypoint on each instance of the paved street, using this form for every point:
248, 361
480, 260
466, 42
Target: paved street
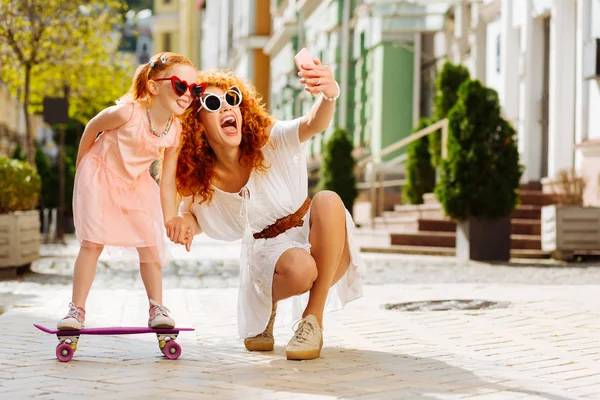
541, 341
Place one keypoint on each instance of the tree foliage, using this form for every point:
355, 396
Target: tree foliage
420, 174
481, 175
48, 45
446, 95
337, 168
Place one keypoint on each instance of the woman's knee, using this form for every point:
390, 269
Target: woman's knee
298, 270
326, 202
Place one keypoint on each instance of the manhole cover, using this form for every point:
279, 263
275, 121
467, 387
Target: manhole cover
446, 305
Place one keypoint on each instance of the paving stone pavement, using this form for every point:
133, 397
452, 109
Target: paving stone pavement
544, 345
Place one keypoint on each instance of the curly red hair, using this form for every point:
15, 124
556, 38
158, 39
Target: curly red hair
196, 163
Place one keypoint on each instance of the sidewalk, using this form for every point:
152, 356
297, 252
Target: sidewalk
544, 345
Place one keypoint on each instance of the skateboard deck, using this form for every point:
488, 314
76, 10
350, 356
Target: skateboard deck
68, 339
117, 330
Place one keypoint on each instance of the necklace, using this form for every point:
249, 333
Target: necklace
169, 122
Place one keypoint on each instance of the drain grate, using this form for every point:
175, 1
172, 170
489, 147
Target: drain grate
447, 305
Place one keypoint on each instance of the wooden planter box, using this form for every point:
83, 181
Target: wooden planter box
19, 241
566, 229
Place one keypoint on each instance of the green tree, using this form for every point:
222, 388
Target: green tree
420, 174
38, 35
446, 94
337, 168
480, 177
97, 85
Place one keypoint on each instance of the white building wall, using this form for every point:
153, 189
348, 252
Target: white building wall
509, 67
587, 131
593, 130
493, 59
227, 26
522, 75
510, 33
562, 86
213, 33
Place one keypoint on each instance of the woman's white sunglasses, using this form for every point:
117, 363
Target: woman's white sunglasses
213, 103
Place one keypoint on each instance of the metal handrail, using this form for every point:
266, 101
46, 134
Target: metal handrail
377, 182
441, 124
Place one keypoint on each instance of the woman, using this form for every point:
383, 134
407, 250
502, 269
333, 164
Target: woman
244, 176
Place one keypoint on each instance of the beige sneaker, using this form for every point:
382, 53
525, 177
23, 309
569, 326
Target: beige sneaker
264, 341
307, 341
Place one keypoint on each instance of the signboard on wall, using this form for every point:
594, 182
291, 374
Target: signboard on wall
56, 110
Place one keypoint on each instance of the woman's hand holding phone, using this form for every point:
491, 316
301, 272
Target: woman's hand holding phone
316, 76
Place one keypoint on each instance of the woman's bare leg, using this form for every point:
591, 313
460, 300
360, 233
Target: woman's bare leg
329, 248
295, 272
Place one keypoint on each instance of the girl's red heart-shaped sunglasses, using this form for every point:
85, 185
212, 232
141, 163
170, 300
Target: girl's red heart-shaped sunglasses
181, 86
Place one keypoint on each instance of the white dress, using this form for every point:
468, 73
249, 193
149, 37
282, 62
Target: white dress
267, 197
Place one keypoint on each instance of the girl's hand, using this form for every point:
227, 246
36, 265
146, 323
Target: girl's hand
188, 241
318, 78
178, 230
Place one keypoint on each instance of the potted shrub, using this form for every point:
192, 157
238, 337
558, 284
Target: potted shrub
479, 180
569, 226
19, 220
448, 81
337, 169
423, 155
420, 174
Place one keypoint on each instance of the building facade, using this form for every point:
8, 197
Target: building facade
12, 123
374, 50
370, 46
177, 27
235, 33
541, 57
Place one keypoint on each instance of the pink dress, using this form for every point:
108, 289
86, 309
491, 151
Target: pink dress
116, 203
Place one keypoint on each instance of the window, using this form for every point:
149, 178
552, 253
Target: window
498, 54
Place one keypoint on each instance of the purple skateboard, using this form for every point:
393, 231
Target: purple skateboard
68, 339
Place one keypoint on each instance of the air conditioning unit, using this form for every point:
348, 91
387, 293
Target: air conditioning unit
591, 59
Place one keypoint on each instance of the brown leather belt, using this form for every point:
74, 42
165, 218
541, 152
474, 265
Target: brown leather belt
285, 223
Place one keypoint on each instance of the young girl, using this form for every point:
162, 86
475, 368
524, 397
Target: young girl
245, 176
115, 200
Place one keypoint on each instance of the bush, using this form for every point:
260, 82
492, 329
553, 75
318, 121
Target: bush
337, 169
20, 187
420, 175
446, 94
49, 178
480, 177
49, 181
18, 153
